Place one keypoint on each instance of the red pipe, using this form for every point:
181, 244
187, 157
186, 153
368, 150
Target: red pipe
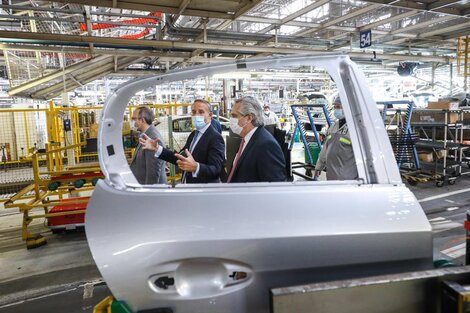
137, 21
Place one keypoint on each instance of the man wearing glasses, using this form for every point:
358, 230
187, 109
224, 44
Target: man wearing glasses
146, 168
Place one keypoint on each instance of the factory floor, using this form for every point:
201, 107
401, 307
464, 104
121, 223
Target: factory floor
62, 277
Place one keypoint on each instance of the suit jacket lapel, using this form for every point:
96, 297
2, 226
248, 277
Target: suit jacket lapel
188, 142
247, 149
139, 146
135, 153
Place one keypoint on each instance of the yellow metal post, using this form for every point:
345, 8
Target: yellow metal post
36, 175
76, 134
26, 130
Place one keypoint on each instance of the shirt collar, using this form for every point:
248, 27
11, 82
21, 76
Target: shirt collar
249, 135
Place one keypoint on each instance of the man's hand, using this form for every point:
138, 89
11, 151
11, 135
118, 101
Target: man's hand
188, 163
316, 176
147, 143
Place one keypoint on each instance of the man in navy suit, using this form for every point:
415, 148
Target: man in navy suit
204, 152
259, 157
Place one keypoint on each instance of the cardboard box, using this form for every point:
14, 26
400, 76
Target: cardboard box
443, 105
440, 154
434, 117
425, 156
94, 130
466, 116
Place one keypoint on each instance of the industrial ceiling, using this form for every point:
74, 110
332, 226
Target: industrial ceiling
55, 46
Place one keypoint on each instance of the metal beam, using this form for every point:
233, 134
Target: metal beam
44, 79
427, 34
399, 32
88, 27
296, 14
177, 45
441, 4
410, 4
340, 19
396, 41
176, 57
181, 8
390, 19
129, 5
444, 30
373, 25
248, 6
14, 18
84, 78
457, 34
74, 12
422, 24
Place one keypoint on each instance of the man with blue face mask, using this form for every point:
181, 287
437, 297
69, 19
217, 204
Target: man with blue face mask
203, 156
337, 155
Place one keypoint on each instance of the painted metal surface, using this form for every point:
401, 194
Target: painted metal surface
411, 292
220, 247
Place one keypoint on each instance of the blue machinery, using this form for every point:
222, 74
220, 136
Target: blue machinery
404, 140
312, 111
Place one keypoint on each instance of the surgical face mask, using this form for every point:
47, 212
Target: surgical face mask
134, 126
266, 112
237, 129
198, 122
339, 114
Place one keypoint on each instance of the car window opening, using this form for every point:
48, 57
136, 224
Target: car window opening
310, 136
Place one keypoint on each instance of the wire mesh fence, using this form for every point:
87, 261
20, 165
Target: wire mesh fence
25, 66
24, 132
21, 133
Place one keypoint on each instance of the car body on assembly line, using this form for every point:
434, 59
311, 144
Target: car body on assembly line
182, 128
221, 247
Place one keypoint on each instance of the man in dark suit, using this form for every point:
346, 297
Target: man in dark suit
145, 167
259, 157
203, 156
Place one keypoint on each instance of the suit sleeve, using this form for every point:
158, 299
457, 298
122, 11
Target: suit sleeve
169, 156
215, 161
271, 165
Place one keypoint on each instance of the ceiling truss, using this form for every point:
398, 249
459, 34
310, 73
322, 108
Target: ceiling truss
170, 34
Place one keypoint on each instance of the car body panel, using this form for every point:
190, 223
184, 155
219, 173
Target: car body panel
157, 233
220, 247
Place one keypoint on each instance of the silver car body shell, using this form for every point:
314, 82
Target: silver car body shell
225, 245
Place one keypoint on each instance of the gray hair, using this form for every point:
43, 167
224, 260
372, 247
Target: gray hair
209, 106
250, 105
146, 114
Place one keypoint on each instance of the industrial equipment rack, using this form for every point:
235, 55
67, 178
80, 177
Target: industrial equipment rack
441, 132
312, 115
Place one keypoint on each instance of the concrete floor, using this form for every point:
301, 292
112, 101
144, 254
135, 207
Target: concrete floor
62, 270
62, 277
